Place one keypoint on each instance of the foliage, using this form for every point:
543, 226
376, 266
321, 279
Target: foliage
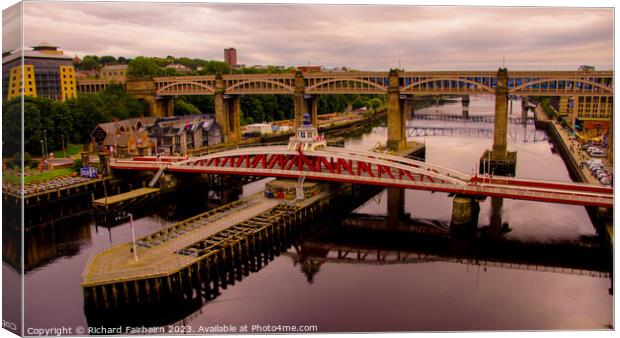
72, 120
183, 108
144, 67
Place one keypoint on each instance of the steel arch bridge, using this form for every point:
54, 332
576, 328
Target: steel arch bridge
370, 168
554, 83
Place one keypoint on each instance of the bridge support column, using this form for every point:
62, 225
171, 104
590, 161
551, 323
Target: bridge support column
162, 107
312, 108
407, 106
233, 115
465, 104
395, 206
227, 112
495, 223
499, 161
464, 211
396, 119
299, 102
220, 110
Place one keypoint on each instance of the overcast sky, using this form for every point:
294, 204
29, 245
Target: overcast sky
362, 37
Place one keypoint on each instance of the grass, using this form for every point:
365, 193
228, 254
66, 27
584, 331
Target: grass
34, 175
71, 149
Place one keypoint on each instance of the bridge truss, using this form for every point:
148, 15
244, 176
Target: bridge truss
370, 168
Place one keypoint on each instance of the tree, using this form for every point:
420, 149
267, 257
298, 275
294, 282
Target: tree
107, 60
375, 103
183, 108
90, 62
142, 67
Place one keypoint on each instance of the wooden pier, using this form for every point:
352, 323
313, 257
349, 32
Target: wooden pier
124, 197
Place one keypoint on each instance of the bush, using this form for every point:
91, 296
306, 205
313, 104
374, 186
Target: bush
77, 164
33, 164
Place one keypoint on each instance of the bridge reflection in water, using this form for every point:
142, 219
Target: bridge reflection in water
358, 239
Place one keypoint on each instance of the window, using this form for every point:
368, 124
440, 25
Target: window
30, 83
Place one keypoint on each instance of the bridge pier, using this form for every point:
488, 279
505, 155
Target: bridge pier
499, 161
465, 104
396, 120
465, 211
395, 206
312, 107
227, 112
300, 106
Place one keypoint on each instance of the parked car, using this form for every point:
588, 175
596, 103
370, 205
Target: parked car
597, 153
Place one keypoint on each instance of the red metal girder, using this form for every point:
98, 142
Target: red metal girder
292, 160
256, 159
210, 162
365, 167
384, 169
223, 164
217, 161
325, 163
241, 159
547, 185
346, 164
272, 161
307, 161
405, 172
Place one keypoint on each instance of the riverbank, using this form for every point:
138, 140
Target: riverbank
572, 155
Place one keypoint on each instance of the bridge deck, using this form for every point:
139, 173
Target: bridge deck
111, 200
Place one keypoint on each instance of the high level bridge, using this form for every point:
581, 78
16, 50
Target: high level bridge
400, 87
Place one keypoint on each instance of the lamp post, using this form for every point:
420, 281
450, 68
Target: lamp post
45, 141
133, 237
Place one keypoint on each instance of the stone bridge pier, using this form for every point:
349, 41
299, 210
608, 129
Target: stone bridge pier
227, 112
465, 104
144, 90
499, 161
397, 116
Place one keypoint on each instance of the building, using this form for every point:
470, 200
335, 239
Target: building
230, 57
46, 72
309, 69
147, 136
259, 129
179, 68
586, 68
116, 73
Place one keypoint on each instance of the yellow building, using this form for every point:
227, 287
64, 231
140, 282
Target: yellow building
43, 71
16, 85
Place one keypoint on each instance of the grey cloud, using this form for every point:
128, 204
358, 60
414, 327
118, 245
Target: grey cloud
364, 37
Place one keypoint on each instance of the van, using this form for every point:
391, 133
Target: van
597, 153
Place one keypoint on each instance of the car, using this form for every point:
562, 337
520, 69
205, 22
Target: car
605, 181
597, 153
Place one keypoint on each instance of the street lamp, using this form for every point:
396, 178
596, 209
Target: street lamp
133, 237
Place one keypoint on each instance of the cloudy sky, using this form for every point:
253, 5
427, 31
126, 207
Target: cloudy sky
362, 37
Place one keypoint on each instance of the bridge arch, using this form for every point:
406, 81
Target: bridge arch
477, 84
163, 89
266, 81
541, 81
347, 79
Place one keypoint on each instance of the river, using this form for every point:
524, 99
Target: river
349, 295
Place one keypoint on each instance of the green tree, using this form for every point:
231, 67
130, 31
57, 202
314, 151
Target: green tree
143, 67
183, 108
90, 62
107, 60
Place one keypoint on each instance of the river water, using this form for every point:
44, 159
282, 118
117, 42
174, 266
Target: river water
359, 296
